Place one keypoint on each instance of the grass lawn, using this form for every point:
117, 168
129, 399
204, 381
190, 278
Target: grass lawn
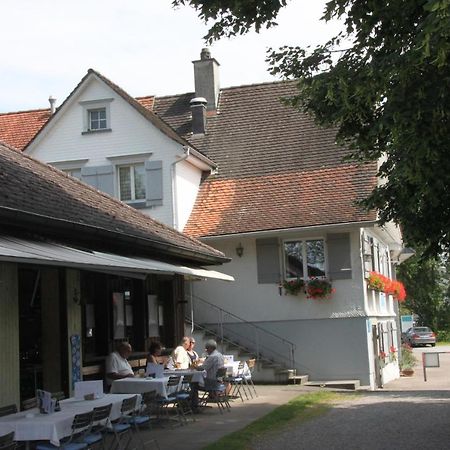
443, 343
301, 408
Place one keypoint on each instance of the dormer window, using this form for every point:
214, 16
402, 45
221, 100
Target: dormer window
97, 119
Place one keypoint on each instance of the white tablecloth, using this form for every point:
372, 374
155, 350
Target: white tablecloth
198, 376
140, 385
32, 426
232, 369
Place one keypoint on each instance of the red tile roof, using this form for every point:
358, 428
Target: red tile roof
280, 201
18, 128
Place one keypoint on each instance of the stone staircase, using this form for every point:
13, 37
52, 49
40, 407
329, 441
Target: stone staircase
265, 371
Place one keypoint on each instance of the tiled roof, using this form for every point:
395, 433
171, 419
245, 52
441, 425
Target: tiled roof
35, 188
277, 169
18, 128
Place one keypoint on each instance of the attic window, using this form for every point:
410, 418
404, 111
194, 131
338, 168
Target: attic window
96, 115
97, 119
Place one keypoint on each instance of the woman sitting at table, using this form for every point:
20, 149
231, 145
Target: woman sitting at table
154, 353
193, 355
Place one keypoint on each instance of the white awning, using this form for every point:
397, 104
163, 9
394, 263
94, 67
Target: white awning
50, 254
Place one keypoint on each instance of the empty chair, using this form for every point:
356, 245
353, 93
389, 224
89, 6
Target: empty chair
171, 400
7, 441
100, 425
81, 424
9, 409
251, 363
121, 428
30, 403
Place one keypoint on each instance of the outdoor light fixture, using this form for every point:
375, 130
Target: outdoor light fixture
239, 250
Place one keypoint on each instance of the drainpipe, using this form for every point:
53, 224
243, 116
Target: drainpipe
186, 151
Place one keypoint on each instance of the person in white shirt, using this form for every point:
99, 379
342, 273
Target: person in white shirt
180, 355
117, 366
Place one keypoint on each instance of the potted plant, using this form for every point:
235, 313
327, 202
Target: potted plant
407, 361
293, 287
319, 288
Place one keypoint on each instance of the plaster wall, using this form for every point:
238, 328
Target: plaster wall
130, 134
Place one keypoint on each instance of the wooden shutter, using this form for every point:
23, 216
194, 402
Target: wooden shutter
100, 177
268, 260
154, 183
339, 256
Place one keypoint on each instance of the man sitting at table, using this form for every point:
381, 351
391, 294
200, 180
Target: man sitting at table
117, 366
212, 363
180, 355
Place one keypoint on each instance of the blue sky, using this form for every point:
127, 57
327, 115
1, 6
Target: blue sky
145, 46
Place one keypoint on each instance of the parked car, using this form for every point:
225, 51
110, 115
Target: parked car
416, 336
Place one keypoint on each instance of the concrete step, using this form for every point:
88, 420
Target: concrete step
337, 384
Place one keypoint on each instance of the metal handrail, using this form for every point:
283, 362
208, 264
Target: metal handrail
260, 348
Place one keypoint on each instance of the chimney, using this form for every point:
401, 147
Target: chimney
52, 102
198, 109
206, 75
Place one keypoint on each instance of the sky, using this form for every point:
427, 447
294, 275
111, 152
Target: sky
145, 46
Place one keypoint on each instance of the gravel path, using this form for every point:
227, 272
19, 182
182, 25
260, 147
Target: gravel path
380, 420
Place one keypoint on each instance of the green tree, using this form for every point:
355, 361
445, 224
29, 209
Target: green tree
386, 93
426, 283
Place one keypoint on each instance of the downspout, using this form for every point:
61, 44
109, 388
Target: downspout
187, 152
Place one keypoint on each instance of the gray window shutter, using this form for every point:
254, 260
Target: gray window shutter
339, 256
154, 183
100, 177
268, 261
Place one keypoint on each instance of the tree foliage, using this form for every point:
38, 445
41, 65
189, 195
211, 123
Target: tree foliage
383, 83
427, 284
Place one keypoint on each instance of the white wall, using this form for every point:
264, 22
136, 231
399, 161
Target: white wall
131, 133
187, 184
263, 302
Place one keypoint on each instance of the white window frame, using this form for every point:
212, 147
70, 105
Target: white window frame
99, 121
131, 167
304, 256
95, 105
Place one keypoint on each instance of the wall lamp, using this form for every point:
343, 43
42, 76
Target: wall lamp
239, 250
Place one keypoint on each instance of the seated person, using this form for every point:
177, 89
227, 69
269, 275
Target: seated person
193, 355
117, 366
154, 353
212, 363
180, 355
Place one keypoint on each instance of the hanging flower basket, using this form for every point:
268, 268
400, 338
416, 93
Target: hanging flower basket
293, 287
318, 288
382, 283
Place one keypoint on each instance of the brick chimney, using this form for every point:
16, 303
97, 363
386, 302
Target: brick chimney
198, 109
206, 75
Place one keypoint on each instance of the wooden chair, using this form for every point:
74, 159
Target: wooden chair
7, 441
7, 410
251, 363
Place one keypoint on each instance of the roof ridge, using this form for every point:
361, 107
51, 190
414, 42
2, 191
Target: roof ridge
24, 111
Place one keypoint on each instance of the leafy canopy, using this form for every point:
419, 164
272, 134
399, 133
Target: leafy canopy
383, 83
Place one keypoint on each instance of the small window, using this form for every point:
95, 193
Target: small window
132, 183
97, 119
304, 259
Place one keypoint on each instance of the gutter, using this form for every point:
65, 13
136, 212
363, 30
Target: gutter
173, 173
17, 217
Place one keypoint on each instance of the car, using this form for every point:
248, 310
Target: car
416, 336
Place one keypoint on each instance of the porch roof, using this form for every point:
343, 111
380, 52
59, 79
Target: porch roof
52, 254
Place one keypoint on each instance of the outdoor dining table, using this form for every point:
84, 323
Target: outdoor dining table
30, 425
